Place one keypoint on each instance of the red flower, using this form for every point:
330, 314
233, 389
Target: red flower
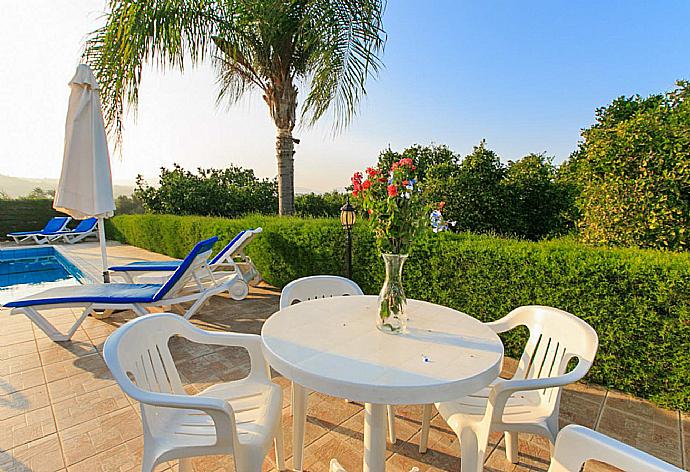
392, 190
366, 184
441, 205
371, 172
406, 162
405, 182
382, 179
355, 193
370, 211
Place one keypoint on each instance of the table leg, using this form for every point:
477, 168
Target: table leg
374, 437
299, 421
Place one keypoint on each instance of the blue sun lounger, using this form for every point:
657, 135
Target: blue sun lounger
85, 228
231, 259
53, 227
136, 297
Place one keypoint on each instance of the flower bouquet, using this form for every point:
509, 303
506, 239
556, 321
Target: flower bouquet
397, 214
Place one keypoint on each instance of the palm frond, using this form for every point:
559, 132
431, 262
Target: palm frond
345, 40
162, 32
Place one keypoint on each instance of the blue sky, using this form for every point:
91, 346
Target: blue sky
526, 76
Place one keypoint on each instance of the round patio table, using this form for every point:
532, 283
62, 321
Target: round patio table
332, 345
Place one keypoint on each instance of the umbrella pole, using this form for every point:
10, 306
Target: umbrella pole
104, 254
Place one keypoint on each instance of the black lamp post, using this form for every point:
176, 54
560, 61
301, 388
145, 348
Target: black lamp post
347, 219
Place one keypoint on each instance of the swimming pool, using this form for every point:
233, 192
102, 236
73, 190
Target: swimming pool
29, 270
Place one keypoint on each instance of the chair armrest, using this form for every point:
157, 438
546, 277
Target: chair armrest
509, 386
251, 342
219, 410
503, 389
172, 400
504, 324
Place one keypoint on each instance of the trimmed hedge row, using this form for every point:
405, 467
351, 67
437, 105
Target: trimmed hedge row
637, 300
25, 215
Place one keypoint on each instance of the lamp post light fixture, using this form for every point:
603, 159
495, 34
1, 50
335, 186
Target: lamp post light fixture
347, 219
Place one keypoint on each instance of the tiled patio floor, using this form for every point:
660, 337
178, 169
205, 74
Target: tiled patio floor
61, 410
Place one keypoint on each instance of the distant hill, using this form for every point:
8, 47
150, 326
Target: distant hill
20, 186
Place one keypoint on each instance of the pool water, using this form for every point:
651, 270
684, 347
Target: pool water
31, 270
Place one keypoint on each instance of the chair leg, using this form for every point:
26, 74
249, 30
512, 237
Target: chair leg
512, 446
246, 461
391, 424
299, 419
280, 448
426, 424
470, 452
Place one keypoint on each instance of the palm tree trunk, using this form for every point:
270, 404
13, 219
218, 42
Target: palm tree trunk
285, 150
281, 98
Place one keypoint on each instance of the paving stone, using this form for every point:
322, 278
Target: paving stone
16, 338
52, 352
22, 380
90, 405
42, 455
15, 324
77, 385
79, 337
632, 426
533, 455
94, 364
26, 427
18, 364
442, 455
23, 401
124, 457
19, 349
100, 434
642, 409
581, 404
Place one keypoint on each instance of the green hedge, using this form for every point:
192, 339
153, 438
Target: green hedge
25, 215
637, 300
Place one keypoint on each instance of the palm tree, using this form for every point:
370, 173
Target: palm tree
329, 47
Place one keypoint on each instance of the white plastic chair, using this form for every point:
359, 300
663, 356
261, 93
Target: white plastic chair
325, 286
576, 445
528, 402
241, 418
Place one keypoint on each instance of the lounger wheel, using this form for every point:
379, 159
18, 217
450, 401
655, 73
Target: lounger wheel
101, 314
239, 290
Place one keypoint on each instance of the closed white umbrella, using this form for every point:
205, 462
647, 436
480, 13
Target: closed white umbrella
86, 188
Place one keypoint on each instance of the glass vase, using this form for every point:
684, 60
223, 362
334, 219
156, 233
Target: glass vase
392, 313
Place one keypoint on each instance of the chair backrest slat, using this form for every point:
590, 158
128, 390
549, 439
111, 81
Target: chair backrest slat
317, 286
138, 355
555, 338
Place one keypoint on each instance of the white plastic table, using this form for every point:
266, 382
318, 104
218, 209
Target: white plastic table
332, 346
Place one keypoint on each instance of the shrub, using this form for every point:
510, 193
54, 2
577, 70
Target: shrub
633, 167
537, 204
319, 205
128, 205
228, 192
637, 300
482, 195
25, 215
